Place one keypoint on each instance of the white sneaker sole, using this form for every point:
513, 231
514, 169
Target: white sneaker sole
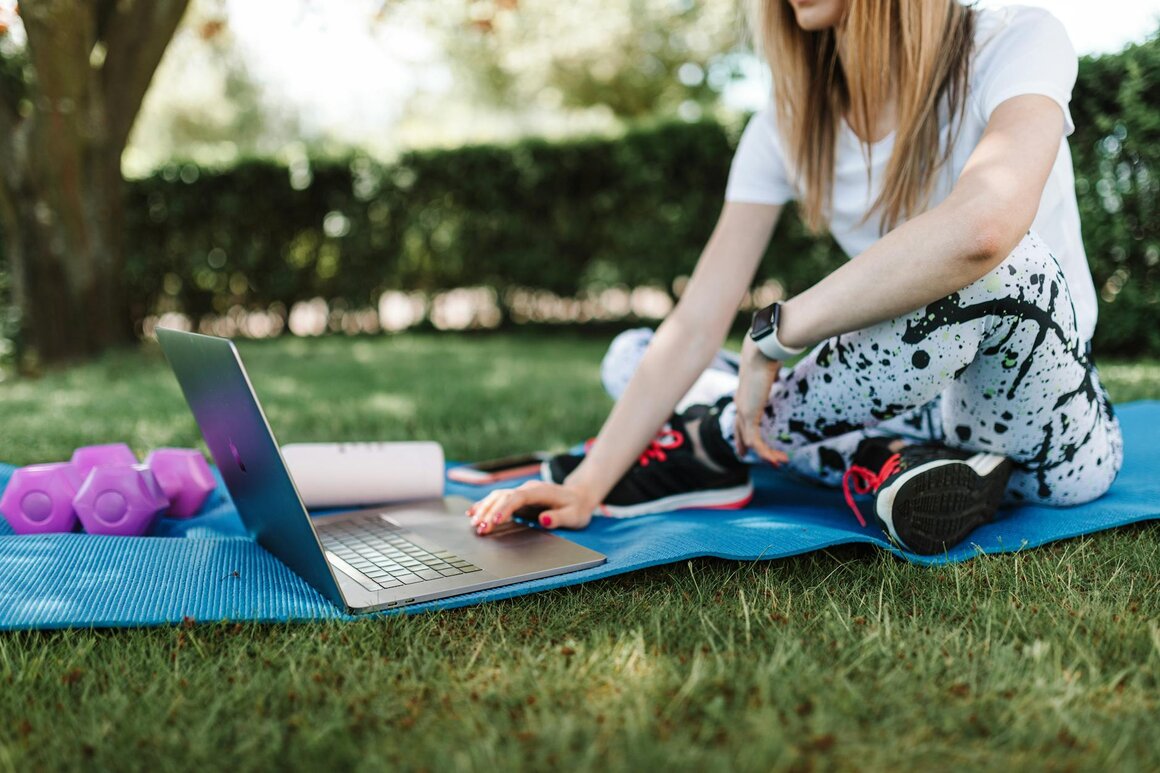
732, 498
711, 499
981, 464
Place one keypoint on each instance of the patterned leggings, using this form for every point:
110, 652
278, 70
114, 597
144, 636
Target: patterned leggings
996, 367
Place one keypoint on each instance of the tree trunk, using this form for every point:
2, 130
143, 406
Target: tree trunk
67, 265
61, 197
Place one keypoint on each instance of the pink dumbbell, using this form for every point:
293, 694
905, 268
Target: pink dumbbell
124, 503
119, 501
126, 500
184, 476
39, 498
85, 458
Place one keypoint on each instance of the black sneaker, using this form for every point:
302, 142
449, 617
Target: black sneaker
687, 465
928, 497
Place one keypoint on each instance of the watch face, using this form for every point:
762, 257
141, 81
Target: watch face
763, 322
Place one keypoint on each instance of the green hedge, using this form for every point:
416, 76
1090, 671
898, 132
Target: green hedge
563, 217
582, 214
537, 214
1116, 151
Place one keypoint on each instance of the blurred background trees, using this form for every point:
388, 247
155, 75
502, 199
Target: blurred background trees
384, 76
633, 58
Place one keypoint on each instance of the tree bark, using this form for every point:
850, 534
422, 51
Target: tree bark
61, 201
66, 261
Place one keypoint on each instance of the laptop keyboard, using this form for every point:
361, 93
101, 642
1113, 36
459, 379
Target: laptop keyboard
382, 557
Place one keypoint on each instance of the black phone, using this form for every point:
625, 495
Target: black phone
495, 470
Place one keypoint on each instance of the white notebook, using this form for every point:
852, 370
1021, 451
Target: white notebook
345, 474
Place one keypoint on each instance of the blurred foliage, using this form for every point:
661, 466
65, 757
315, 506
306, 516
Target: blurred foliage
582, 214
1116, 150
635, 57
206, 102
14, 72
585, 213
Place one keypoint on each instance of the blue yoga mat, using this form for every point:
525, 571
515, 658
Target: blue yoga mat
207, 569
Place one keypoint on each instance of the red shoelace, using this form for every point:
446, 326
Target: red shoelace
666, 440
866, 481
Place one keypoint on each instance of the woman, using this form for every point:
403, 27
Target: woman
948, 367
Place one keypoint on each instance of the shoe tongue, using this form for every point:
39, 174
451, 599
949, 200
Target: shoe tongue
702, 428
919, 454
872, 453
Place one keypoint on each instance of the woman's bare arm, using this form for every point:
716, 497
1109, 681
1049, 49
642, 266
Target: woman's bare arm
948, 247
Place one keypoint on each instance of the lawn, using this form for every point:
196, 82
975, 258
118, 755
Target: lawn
844, 658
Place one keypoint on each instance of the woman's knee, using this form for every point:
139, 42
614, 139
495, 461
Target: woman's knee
1076, 482
1027, 487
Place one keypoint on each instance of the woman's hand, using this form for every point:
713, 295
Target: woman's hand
758, 373
568, 507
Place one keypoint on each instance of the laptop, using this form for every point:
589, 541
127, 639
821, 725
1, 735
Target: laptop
362, 560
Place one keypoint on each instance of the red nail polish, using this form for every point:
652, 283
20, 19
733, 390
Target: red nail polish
546, 520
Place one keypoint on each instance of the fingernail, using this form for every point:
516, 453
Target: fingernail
546, 520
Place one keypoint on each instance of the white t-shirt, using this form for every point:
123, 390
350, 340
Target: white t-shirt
1018, 50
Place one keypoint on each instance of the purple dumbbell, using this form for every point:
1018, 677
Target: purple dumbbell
50, 497
39, 498
85, 458
184, 476
121, 501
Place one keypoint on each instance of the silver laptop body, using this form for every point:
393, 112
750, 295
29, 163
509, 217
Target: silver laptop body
362, 560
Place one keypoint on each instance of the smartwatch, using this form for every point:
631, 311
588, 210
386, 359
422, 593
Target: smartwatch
763, 331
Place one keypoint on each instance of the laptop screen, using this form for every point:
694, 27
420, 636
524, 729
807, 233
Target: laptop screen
219, 393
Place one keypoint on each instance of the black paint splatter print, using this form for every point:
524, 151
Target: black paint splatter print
998, 365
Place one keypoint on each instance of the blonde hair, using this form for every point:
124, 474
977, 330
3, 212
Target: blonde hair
922, 46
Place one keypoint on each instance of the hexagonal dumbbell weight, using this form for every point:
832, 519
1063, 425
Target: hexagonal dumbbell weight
120, 501
49, 498
184, 476
85, 458
39, 498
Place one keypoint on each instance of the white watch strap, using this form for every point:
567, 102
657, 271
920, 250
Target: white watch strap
775, 349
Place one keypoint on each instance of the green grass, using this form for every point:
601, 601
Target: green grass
840, 659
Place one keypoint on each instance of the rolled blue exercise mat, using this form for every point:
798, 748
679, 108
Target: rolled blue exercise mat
206, 569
